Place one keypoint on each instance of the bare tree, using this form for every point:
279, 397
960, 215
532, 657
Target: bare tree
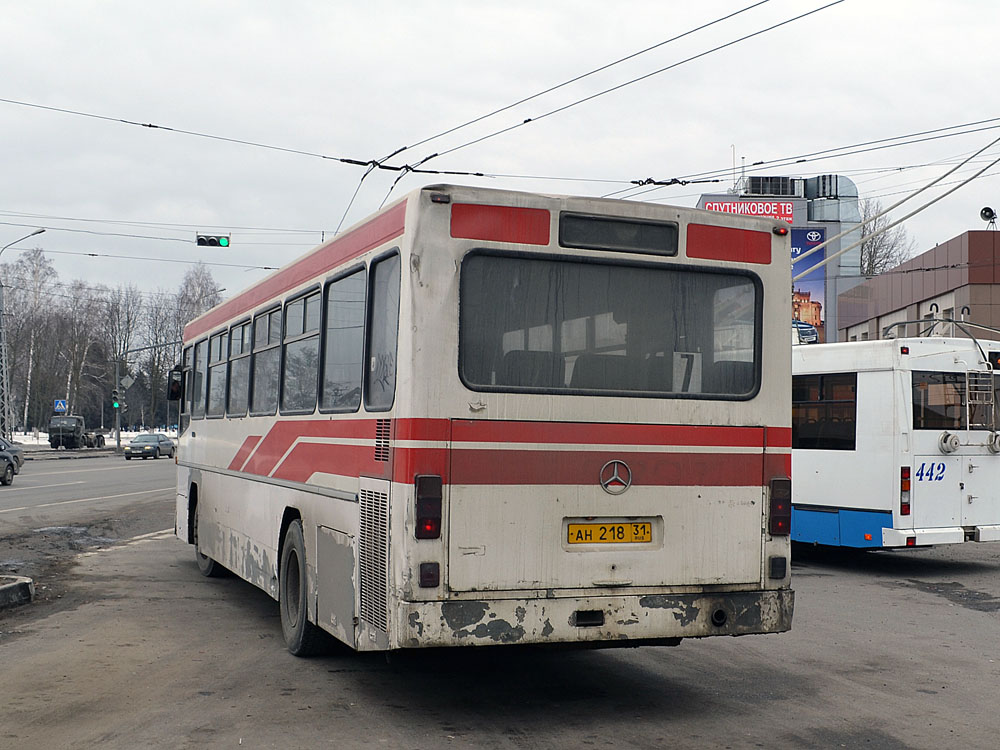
32, 279
198, 292
159, 333
887, 250
80, 313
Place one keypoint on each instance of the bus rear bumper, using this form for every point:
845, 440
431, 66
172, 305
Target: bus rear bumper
942, 535
594, 621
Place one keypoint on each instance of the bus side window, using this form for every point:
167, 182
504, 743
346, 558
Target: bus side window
218, 353
301, 355
200, 376
239, 370
383, 330
266, 354
184, 418
344, 344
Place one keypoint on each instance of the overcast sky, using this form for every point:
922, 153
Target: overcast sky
360, 80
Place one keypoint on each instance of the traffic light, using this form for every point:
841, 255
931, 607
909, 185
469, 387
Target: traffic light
213, 240
115, 401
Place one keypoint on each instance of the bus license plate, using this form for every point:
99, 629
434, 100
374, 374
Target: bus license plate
611, 533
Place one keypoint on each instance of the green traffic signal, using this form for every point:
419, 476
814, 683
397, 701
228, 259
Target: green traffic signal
212, 240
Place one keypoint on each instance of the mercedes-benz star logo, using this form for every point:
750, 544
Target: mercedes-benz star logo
616, 477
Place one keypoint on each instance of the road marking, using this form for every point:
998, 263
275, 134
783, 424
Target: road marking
153, 536
41, 486
161, 534
80, 471
87, 499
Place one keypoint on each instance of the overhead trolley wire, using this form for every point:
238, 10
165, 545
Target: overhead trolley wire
836, 152
580, 77
636, 80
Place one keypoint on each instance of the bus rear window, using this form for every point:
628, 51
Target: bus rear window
546, 325
824, 411
609, 233
938, 400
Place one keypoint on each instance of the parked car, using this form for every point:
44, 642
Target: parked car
7, 471
16, 452
807, 333
150, 446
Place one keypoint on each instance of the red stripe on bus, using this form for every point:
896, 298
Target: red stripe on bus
779, 437
484, 431
307, 459
422, 429
325, 258
283, 434
529, 226
515, 467
244, 452
525, 468
266, 453
726, 243
777, 465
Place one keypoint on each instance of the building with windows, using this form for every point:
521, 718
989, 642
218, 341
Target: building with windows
958, 279
817, 208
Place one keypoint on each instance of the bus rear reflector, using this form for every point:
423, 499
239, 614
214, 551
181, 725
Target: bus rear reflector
428, 500
727, 243
526, 226
780, 523
904, 490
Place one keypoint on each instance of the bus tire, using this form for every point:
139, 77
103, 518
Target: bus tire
302, 637
208, 567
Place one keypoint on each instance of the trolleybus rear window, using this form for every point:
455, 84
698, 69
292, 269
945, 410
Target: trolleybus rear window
548, 325
824, 411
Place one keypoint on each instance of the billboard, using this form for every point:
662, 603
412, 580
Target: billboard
809, 292
783, 210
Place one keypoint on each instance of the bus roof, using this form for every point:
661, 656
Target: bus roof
390, 222
887, 354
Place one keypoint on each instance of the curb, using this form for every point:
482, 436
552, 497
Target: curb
15, 590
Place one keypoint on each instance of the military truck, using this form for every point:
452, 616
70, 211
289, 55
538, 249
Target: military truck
70, 431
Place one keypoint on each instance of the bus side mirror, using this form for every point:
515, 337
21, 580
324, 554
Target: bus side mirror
175, 384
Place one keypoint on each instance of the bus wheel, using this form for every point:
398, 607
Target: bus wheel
208, 567
301, 636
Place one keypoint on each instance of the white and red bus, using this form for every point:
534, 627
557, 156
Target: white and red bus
489, 417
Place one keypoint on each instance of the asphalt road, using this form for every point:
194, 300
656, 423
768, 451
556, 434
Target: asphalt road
80, 488
888, 650
63, 503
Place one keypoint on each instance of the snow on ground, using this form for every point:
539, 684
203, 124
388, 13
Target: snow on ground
42, 438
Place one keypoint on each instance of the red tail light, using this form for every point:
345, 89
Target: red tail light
780, 523
428, 499
904, 491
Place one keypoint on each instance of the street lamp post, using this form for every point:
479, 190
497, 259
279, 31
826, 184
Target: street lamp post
6, 409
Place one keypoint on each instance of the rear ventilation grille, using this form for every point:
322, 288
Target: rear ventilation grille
382, 431
373, 553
